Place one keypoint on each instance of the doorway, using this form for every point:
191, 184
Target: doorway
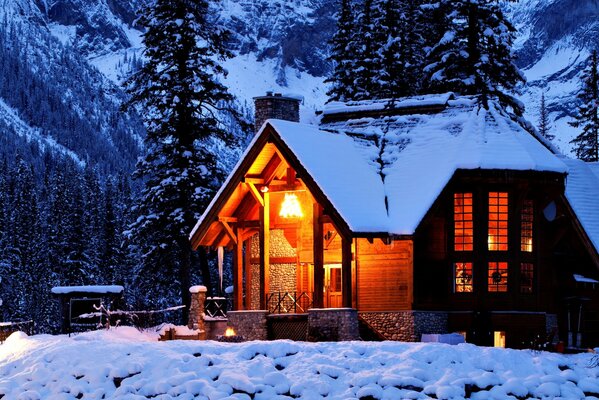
332, 286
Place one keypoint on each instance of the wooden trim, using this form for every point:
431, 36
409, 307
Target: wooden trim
230, 232
238, 274
318, 247
248, 274
346, 272
276, 260
264, 251
255, 193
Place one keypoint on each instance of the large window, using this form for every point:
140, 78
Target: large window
498, 221
526, 224
462, 272
463, 225
497, 277
527, 275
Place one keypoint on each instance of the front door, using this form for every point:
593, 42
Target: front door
332, 286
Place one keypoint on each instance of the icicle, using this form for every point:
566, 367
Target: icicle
221, 254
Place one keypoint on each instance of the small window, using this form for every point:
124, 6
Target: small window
499, 338
526, 224
463, 277
527, 274
498, 221
497, 277
463, 225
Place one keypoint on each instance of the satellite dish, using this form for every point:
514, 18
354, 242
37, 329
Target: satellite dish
550, 212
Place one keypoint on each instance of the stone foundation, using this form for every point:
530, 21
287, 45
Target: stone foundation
332, 324
406, 326
252, 325
215, 328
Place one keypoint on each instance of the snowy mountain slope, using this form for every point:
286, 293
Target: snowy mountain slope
54, 91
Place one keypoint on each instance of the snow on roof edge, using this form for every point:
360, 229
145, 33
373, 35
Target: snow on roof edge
100, 289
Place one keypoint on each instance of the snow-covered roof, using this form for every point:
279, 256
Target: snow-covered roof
99, 289
582, 192
382, 174
584, 279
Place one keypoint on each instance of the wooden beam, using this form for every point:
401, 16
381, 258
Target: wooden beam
264, 251
276, 260
229, 231
256, 194
228, 219
238, 274
270, 171
290, 176
346, 272
318, 246
248, 274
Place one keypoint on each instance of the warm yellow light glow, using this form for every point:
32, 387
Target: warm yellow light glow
230, 332
291, 207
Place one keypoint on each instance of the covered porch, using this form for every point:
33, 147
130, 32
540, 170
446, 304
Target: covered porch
291, 250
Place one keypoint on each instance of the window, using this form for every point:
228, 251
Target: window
526, 223
497, 277
462, 272
499, 338
498, 220
463, 226
527, 274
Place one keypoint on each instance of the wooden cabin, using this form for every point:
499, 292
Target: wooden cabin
421, 215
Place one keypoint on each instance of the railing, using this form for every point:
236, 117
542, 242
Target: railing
217, 307
288, 302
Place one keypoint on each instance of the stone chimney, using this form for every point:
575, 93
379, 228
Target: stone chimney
275, 106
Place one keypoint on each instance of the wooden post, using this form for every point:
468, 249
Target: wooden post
248, 274
346, 271
318, 256
238, 273
264, 251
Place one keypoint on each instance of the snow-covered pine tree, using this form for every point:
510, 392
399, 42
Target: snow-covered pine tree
474, 56
343, 54
586, 144
180, 95
390, 71
544, 124
368, 40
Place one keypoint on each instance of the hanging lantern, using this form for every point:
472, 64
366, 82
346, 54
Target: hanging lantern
291, 207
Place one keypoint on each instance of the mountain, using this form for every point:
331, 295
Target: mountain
278, 45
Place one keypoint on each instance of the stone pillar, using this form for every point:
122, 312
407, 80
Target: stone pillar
252, 325
275, 106
333, 324
196, 308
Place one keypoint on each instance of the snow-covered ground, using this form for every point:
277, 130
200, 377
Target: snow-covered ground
125, 364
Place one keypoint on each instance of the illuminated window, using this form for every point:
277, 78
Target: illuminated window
499, 338
462, 272
527, 274
497, 277
526, 221
498, 220
463, 228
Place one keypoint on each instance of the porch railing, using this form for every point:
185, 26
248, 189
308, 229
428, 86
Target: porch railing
289, 302
217, 307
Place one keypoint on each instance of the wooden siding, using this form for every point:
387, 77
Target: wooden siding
384, 275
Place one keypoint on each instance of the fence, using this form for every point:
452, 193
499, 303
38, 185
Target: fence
217, 307
289, 302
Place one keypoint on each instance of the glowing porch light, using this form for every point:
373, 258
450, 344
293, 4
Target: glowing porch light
230, 332
291, 208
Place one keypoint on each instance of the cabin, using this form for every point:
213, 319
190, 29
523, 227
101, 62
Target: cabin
397, 218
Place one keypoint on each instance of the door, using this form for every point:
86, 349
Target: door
332, 286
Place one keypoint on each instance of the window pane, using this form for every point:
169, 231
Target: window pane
497, 277
526, 226
462, 273
527, 273
463, 227
498, 221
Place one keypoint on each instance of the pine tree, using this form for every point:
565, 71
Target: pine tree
368, 40
544, 124
180, 95
586, 144
343, 54
474, 56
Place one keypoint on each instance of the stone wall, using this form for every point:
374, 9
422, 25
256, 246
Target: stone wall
196, 308
252, 325
333, 324
282, 276
406, 326
275, 106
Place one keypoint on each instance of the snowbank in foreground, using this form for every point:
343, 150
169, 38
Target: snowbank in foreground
125, 364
